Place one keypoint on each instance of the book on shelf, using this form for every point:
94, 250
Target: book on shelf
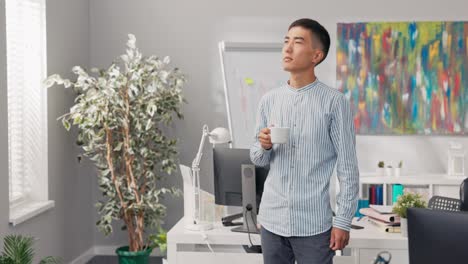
372, 196
397, 190
379, 194
376, 194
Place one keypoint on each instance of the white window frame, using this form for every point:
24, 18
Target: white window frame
27, 127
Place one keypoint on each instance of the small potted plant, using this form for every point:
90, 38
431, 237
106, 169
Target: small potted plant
389, 170
159, 240
397, 170
381, 168
405, 201
19, 249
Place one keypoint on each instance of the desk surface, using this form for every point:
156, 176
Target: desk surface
369, 237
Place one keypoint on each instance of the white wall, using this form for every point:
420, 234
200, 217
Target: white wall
66, 230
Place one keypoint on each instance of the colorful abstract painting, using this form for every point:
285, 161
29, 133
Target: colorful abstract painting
405, 78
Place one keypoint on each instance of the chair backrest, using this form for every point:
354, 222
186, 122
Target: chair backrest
444, 203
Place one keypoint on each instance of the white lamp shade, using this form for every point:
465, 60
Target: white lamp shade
219, 135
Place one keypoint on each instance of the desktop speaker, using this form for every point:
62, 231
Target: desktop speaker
464, 195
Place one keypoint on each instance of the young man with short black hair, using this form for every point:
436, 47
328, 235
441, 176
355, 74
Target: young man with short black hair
295, 211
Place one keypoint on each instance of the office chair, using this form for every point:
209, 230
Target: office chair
444, 203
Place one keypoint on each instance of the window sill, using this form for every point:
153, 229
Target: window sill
25, 211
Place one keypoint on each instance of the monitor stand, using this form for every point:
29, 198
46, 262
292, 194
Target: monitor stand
249, 204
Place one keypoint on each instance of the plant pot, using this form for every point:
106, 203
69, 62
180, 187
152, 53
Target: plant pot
128, 257
397, 172
389, 172
404, 226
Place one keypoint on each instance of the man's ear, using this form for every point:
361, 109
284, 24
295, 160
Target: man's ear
318, 57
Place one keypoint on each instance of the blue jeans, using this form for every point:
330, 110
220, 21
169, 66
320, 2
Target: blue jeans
305, 250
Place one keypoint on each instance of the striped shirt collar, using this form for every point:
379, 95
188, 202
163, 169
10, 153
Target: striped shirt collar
304, 88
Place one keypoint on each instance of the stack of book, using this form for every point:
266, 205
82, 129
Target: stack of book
382, 217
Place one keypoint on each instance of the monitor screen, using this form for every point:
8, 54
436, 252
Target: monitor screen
436, 236
227, 163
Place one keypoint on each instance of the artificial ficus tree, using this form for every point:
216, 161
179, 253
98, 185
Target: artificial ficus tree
121, 113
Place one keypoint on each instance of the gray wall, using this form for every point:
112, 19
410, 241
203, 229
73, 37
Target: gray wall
189, 31
66, 230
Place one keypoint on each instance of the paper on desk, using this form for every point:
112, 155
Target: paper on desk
394, 218
186, 174
383, 209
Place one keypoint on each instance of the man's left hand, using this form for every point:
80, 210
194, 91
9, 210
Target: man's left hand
339, 238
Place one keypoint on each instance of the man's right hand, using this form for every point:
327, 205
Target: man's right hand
265, 139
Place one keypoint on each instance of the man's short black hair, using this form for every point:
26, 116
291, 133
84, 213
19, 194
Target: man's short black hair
317, 31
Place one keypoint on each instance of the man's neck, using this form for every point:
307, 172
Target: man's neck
298, 80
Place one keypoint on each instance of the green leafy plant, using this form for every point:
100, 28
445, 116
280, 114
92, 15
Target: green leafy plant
408, 200
121, 114
400, 164
19, 249
381, 164
159, 240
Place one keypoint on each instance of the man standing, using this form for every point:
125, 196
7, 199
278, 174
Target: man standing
295, 211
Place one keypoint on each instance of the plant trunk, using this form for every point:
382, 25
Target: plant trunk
134, 228
135, 232
134, 222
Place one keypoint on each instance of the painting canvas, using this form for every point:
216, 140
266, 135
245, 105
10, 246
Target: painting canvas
405, 77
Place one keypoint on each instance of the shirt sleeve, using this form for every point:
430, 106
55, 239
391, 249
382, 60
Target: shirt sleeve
344, 140
259, 155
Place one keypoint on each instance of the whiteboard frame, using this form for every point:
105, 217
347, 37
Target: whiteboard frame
226, 46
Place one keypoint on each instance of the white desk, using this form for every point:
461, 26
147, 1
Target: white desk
189, 247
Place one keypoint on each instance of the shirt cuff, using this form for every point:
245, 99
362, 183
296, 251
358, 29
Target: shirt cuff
266, 150
342, 223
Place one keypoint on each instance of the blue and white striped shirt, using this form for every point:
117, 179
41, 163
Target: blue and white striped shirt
296, 199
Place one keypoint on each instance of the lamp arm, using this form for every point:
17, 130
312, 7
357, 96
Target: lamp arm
196, 176
196, 161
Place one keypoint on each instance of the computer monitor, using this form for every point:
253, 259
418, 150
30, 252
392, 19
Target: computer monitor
228, 166
436, 236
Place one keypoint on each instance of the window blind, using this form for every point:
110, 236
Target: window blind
27, 97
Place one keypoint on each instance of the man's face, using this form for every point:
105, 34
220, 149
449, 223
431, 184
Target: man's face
300, 51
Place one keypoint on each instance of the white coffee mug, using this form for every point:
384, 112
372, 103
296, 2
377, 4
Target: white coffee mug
279, 135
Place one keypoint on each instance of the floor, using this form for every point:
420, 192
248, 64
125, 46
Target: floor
114, 260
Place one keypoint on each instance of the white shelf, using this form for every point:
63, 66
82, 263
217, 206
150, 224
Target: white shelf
437, 184
427, 179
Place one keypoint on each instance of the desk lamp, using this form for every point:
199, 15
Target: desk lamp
219, 135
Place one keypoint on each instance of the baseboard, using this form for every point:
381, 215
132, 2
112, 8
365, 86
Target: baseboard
85, 257
104, 251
